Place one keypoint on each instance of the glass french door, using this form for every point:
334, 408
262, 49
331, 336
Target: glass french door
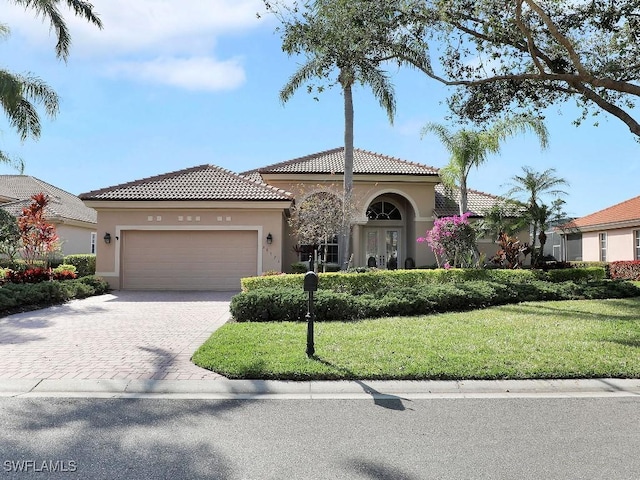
383, 248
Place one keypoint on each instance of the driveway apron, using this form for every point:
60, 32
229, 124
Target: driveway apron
121, 335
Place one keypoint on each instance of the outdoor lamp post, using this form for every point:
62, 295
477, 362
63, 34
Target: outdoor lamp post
310, 285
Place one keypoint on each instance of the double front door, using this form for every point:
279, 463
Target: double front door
383, 248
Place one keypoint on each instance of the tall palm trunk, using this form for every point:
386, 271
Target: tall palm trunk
463, 195
346, 80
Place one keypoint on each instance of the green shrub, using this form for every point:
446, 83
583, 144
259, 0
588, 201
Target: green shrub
576, 274
604, 265
284, 304
300, 267
65, 268
380, 281
15, 296
85, 264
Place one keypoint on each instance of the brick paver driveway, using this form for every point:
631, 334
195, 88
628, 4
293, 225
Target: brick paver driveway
121, 335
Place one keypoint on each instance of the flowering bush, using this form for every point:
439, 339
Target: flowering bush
31, 275
452, 240
625, 270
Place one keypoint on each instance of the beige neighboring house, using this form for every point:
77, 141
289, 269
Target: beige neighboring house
75, 222
610, 235
206, 227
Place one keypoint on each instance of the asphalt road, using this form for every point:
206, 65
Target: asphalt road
396, 438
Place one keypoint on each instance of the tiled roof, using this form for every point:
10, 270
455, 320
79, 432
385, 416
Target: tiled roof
627, 211
364, 162
19, 189
448, 201
204, 182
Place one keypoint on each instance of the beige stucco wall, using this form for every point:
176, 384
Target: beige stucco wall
414, 195
74, 239
264, 218
620, 245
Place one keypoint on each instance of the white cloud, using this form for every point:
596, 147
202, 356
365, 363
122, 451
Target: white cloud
196, 73
160, 41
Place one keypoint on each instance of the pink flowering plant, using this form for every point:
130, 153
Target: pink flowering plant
452, 240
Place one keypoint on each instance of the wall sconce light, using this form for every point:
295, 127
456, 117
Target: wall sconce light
269, 238
107, 237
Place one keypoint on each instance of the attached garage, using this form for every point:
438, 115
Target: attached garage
188, 259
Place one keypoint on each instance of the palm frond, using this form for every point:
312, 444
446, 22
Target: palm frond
48, 10
306, 72
381, 87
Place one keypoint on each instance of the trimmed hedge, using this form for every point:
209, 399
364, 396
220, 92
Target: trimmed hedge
285, 304
581, 264
627, 270
383, 280
85, 263
26, 296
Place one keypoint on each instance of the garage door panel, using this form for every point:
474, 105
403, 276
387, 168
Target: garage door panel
188, 260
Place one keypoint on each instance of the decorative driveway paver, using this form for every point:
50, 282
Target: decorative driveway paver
121, 335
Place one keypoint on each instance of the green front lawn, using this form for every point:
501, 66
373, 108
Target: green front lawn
565, 339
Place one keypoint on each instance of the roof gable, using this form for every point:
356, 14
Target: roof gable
332, 162
204, 182
62, 204
627, 211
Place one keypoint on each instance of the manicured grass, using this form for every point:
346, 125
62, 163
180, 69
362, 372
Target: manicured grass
566, 339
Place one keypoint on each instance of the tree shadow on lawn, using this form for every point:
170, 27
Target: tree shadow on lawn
391, 402
559, 311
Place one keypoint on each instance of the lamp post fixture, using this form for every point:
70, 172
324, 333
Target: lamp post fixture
310, 285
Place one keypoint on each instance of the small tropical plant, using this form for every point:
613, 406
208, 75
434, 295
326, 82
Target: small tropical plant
510, 251
38, 236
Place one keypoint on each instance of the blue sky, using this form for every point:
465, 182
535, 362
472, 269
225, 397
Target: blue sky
172, 84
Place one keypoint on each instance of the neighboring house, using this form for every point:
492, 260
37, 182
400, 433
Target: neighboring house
563, 243
75, 222
611, 234
206, 227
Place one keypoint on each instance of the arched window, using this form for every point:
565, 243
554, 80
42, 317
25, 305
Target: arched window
383, 211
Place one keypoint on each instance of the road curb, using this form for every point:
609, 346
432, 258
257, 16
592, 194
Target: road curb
257, 389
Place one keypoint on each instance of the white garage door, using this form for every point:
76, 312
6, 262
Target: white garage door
188, 260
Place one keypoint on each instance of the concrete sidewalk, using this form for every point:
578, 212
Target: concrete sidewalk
221, 388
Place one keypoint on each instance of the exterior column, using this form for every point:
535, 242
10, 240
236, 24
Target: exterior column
356, 247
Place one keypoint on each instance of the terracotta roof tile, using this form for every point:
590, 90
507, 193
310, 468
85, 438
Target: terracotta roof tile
627, 211
332, 162
204, 182
19, 189
448, 201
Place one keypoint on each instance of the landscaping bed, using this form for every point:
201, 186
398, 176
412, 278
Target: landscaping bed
19, 297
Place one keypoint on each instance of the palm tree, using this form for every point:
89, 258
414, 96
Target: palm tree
48, 10
470, 148
535, 185
355, 39
21, 94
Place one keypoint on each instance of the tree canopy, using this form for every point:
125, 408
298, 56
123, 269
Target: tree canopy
22, 94
525, 55
348, 42
469, 148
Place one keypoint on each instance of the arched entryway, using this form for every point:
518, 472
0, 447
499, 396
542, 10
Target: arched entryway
385, 234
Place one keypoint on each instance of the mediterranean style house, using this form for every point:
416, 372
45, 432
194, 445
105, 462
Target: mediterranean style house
206, 227
609, 235
75, 222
